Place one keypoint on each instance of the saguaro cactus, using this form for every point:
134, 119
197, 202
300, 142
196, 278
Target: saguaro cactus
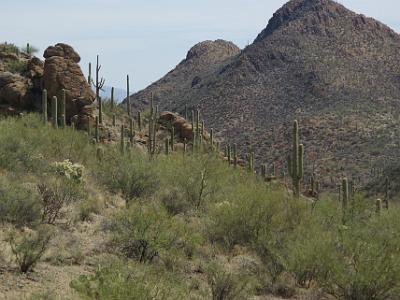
198, 125
172, 138
387, 187
128, 96
167, 146
186, 112
229, 154
263, 171
212, 138
250, 157
89, 132
378, 206
44, 106
97, 130
235, 156
112, 99
131, 131
345, 193
99, 154
99, 85
152, 136
89, 80
63, 109
184, 146
139, 120
313, 184
296, 169
193, 130
54, 113
151, 106
122, 142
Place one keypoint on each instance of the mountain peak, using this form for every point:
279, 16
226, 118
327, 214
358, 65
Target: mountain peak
313, 15
210, 48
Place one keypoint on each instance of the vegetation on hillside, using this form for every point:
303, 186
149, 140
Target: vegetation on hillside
180, 226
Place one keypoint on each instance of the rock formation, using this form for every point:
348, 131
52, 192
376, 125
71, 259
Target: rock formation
23, 77
62, 71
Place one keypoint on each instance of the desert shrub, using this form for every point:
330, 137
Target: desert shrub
191, 182
19, 204
143, 233
57, 192
15, 66
132, 175
358, 260
28, 246
121, 280
88, 206
259, 217
9, 48
28, 146
72, 172
226, 285
249, 212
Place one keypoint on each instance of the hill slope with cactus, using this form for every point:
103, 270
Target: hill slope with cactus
87, 220
335, 71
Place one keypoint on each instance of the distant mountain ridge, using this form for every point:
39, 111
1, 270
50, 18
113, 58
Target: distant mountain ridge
336, 71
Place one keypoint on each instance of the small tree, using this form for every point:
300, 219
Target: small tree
28, 246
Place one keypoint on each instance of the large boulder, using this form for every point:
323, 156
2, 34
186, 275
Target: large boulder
183, 128
14, 92
61, 71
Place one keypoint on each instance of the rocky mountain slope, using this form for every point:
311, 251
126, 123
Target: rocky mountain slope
336, 71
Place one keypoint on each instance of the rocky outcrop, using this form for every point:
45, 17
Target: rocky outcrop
61, 71
14, 92
183, 128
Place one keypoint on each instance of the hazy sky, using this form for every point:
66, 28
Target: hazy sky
147, 38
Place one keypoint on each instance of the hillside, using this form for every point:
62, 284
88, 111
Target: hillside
336, 71
138, 209
86, 220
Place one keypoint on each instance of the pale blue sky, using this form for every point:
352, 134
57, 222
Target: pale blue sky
147, 38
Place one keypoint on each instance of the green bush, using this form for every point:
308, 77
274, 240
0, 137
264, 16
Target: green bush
28, 246
358, 260
28, 146
191, 182
55, 193
122, 280
132, 174
9, 48
226, 285
15, 66
19, 204
144, 233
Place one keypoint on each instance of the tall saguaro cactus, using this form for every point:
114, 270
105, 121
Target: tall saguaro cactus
44, 106
97, 130
131, 131
54, 113
345, 192
112, 99
63, 108
172, 138
99, 85
128, 96
122, 146
296, 164
90, 74
387, 188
